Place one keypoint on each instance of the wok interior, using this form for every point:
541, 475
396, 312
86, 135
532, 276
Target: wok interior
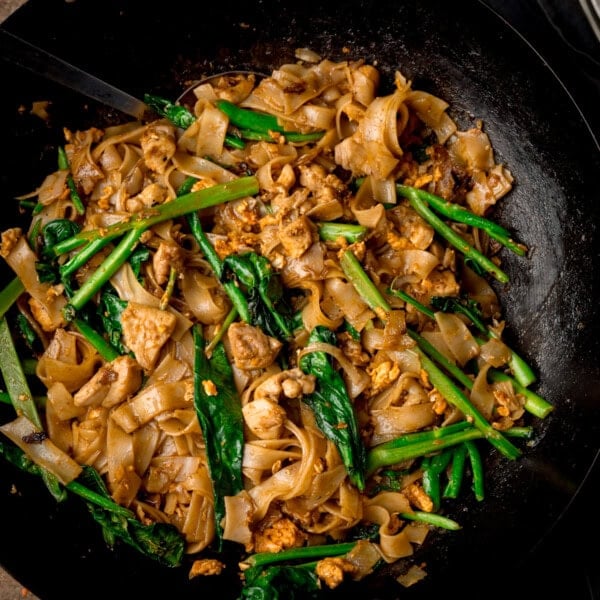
464, 55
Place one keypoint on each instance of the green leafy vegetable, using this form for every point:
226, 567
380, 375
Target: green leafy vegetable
333, 409
262, 292
220, 415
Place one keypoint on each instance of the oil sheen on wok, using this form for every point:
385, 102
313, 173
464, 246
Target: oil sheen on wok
266, 321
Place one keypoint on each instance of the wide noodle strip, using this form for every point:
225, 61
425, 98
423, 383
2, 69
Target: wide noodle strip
256, 334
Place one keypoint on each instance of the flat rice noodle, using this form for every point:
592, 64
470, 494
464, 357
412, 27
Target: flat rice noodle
258, 457
145, 444
472, 150
394, 421
123, 481
69, 359
345, 297
59, 430
40, 449
199, 524
458, 338
202, 296
481, 394
152, 401
238, 517
62, 402
408, 265
21, 259
393, 545
364, 557
201, 168
495, 352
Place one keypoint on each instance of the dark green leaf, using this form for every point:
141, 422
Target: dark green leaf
275, 582
333, 409
110, 308
139, 256
222, 423
178, 115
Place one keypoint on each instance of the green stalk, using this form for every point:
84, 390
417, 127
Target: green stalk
430, 435
229, 319
441, 359
258, 126
103, 273
430, 519
406, 448
476, 469
534, 404
410, 300
84, 492
380, 456
458, 399
20, 395
180, 206
331, 232
306, 552
457, 472
458, 213
438, 379
91, 248
240, 304
63, 164
14, 378
105, 350
363, 284
290, 136
452, 237
10, 294
523, 372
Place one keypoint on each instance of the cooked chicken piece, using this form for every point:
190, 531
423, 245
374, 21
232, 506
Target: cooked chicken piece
166, 256
412, 227
158, 145
383, 375
265, 419
331, 570
321, 183
206, 566
418, 497
9, 238
353, 350
152, 194
112, 383
291, 383
251, 348
47, 320
297, 237
279, 535
145, 331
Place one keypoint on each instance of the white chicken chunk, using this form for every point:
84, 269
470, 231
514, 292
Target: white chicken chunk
167, 255
111, 385
265, 419
158, 145
145, 331
251, 348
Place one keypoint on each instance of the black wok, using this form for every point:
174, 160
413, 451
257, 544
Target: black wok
460, 51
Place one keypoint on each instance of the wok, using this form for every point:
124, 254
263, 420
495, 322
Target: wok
460, 51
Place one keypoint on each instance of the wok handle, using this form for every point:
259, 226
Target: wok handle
18, 51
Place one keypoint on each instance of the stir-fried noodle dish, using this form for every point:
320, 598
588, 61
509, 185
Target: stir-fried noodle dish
265, 320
